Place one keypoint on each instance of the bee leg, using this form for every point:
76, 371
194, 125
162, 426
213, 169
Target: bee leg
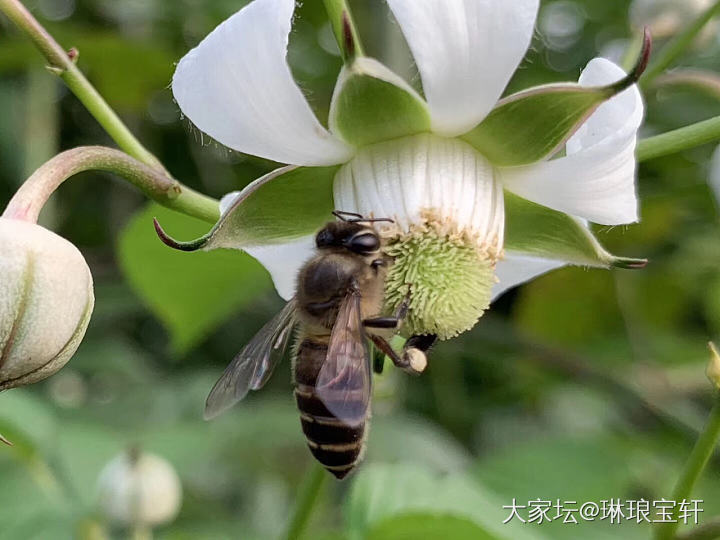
405, 363
394, 322
423, 343
415, 351
378, 361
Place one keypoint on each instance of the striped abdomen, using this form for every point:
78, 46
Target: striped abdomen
335, 444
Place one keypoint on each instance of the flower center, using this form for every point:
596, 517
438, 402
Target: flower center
448, 231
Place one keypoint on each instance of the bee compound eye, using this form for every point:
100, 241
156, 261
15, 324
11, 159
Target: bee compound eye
324, 239
364, 243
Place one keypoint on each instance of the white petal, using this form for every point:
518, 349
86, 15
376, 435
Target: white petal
596, 180
516, 269
284, 261
227, 201
466, 51
237, 87
714, 178
414, 177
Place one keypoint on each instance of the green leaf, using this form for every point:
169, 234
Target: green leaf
372, 104
286, 204
424, 442
190, 293
533, 124
413, 526
539, 231
385, 492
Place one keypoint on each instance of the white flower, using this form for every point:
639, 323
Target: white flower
46, 299
464, 174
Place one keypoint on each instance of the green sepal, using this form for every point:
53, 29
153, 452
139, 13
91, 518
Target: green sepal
533, 124
284, 205
538, 231
372, 104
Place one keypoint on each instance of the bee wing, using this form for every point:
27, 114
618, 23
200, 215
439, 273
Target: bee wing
345, 380
253, 365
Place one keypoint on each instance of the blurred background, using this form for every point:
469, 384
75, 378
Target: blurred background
584, 385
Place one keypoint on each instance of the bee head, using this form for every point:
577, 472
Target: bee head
356, 237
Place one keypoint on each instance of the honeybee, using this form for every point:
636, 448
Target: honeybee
336, 310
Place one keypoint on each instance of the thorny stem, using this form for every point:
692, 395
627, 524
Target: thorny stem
344, 29
32, 195
678, 45
306, 501
699, 457
680, 139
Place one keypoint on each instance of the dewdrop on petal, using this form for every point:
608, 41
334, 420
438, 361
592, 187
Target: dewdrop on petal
46, 299
139, 489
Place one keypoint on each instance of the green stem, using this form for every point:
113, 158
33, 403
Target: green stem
696, 79
344, 28
141, 532
32, 195
61, 63
699, 457
306, 502
680, 139
709, 530
678, 45
167, 191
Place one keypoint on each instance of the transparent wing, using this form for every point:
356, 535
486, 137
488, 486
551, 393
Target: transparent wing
252, 367
345, 380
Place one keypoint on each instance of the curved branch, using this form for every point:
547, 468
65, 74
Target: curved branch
34, 193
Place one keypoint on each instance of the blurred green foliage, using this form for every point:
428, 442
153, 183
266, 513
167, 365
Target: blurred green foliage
582, 385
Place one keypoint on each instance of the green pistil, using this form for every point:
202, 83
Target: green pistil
449, 279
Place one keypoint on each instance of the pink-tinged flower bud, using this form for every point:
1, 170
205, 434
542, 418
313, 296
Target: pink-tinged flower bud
46, 299
139, 490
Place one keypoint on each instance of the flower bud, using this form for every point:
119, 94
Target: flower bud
46, 299
138, 489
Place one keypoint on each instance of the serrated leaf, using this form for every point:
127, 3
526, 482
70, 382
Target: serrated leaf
286, 204
372, 104
537, 230
533, 124
190, 293
384, 492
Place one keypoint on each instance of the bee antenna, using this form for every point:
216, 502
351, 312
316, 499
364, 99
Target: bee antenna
352, 217
380, 220
343, 216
